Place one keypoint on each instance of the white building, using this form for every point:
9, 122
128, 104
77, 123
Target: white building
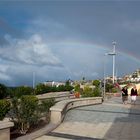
53, 83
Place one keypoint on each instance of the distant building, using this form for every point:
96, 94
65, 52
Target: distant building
110, 79
53, 83
134, 77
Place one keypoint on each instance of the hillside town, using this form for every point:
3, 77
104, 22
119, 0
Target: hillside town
133, 77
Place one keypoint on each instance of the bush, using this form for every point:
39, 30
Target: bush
89, 92
3, 91
46, 105
4, 108
109, 87
68, 87
24, 112
77, 88
41, 88
96, 83
20, 91
97, 92
114, 90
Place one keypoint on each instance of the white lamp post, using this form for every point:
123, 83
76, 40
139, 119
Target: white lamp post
113, 54
33, 80
104, 79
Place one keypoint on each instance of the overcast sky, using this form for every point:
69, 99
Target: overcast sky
62, 39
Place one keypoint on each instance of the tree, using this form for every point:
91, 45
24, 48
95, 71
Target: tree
83, 78
109, 87
24, 112
96, 83
67, 83
83, 81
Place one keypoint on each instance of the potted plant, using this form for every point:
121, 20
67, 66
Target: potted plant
77, 91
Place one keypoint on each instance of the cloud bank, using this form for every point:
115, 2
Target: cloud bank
20, 57
32, 51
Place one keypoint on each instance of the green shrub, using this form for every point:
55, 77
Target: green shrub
96, 83
25, 112
4, 108
114, 90
109, 87
28, 106
89, 92
64, 88
19, 91
77, 88
3, 91
46, 105
40, 89
96, 92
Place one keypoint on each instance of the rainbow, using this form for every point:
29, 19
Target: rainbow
104, 48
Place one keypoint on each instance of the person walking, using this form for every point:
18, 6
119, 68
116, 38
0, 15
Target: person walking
134, 95
124, 95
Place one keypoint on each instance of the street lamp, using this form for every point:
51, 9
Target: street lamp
33, 80
113, 55
104, 79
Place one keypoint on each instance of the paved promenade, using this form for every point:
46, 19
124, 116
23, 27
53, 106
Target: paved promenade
110, 121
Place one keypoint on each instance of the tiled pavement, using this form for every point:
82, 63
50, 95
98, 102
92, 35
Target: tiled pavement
110, 121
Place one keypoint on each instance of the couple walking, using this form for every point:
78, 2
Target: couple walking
133, 95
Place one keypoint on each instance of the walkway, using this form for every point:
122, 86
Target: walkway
110, 121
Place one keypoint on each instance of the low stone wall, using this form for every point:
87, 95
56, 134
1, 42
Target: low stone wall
5, 130
59, 110
58, 96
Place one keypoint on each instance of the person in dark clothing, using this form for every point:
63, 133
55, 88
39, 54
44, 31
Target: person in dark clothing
124, 95
134, 94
